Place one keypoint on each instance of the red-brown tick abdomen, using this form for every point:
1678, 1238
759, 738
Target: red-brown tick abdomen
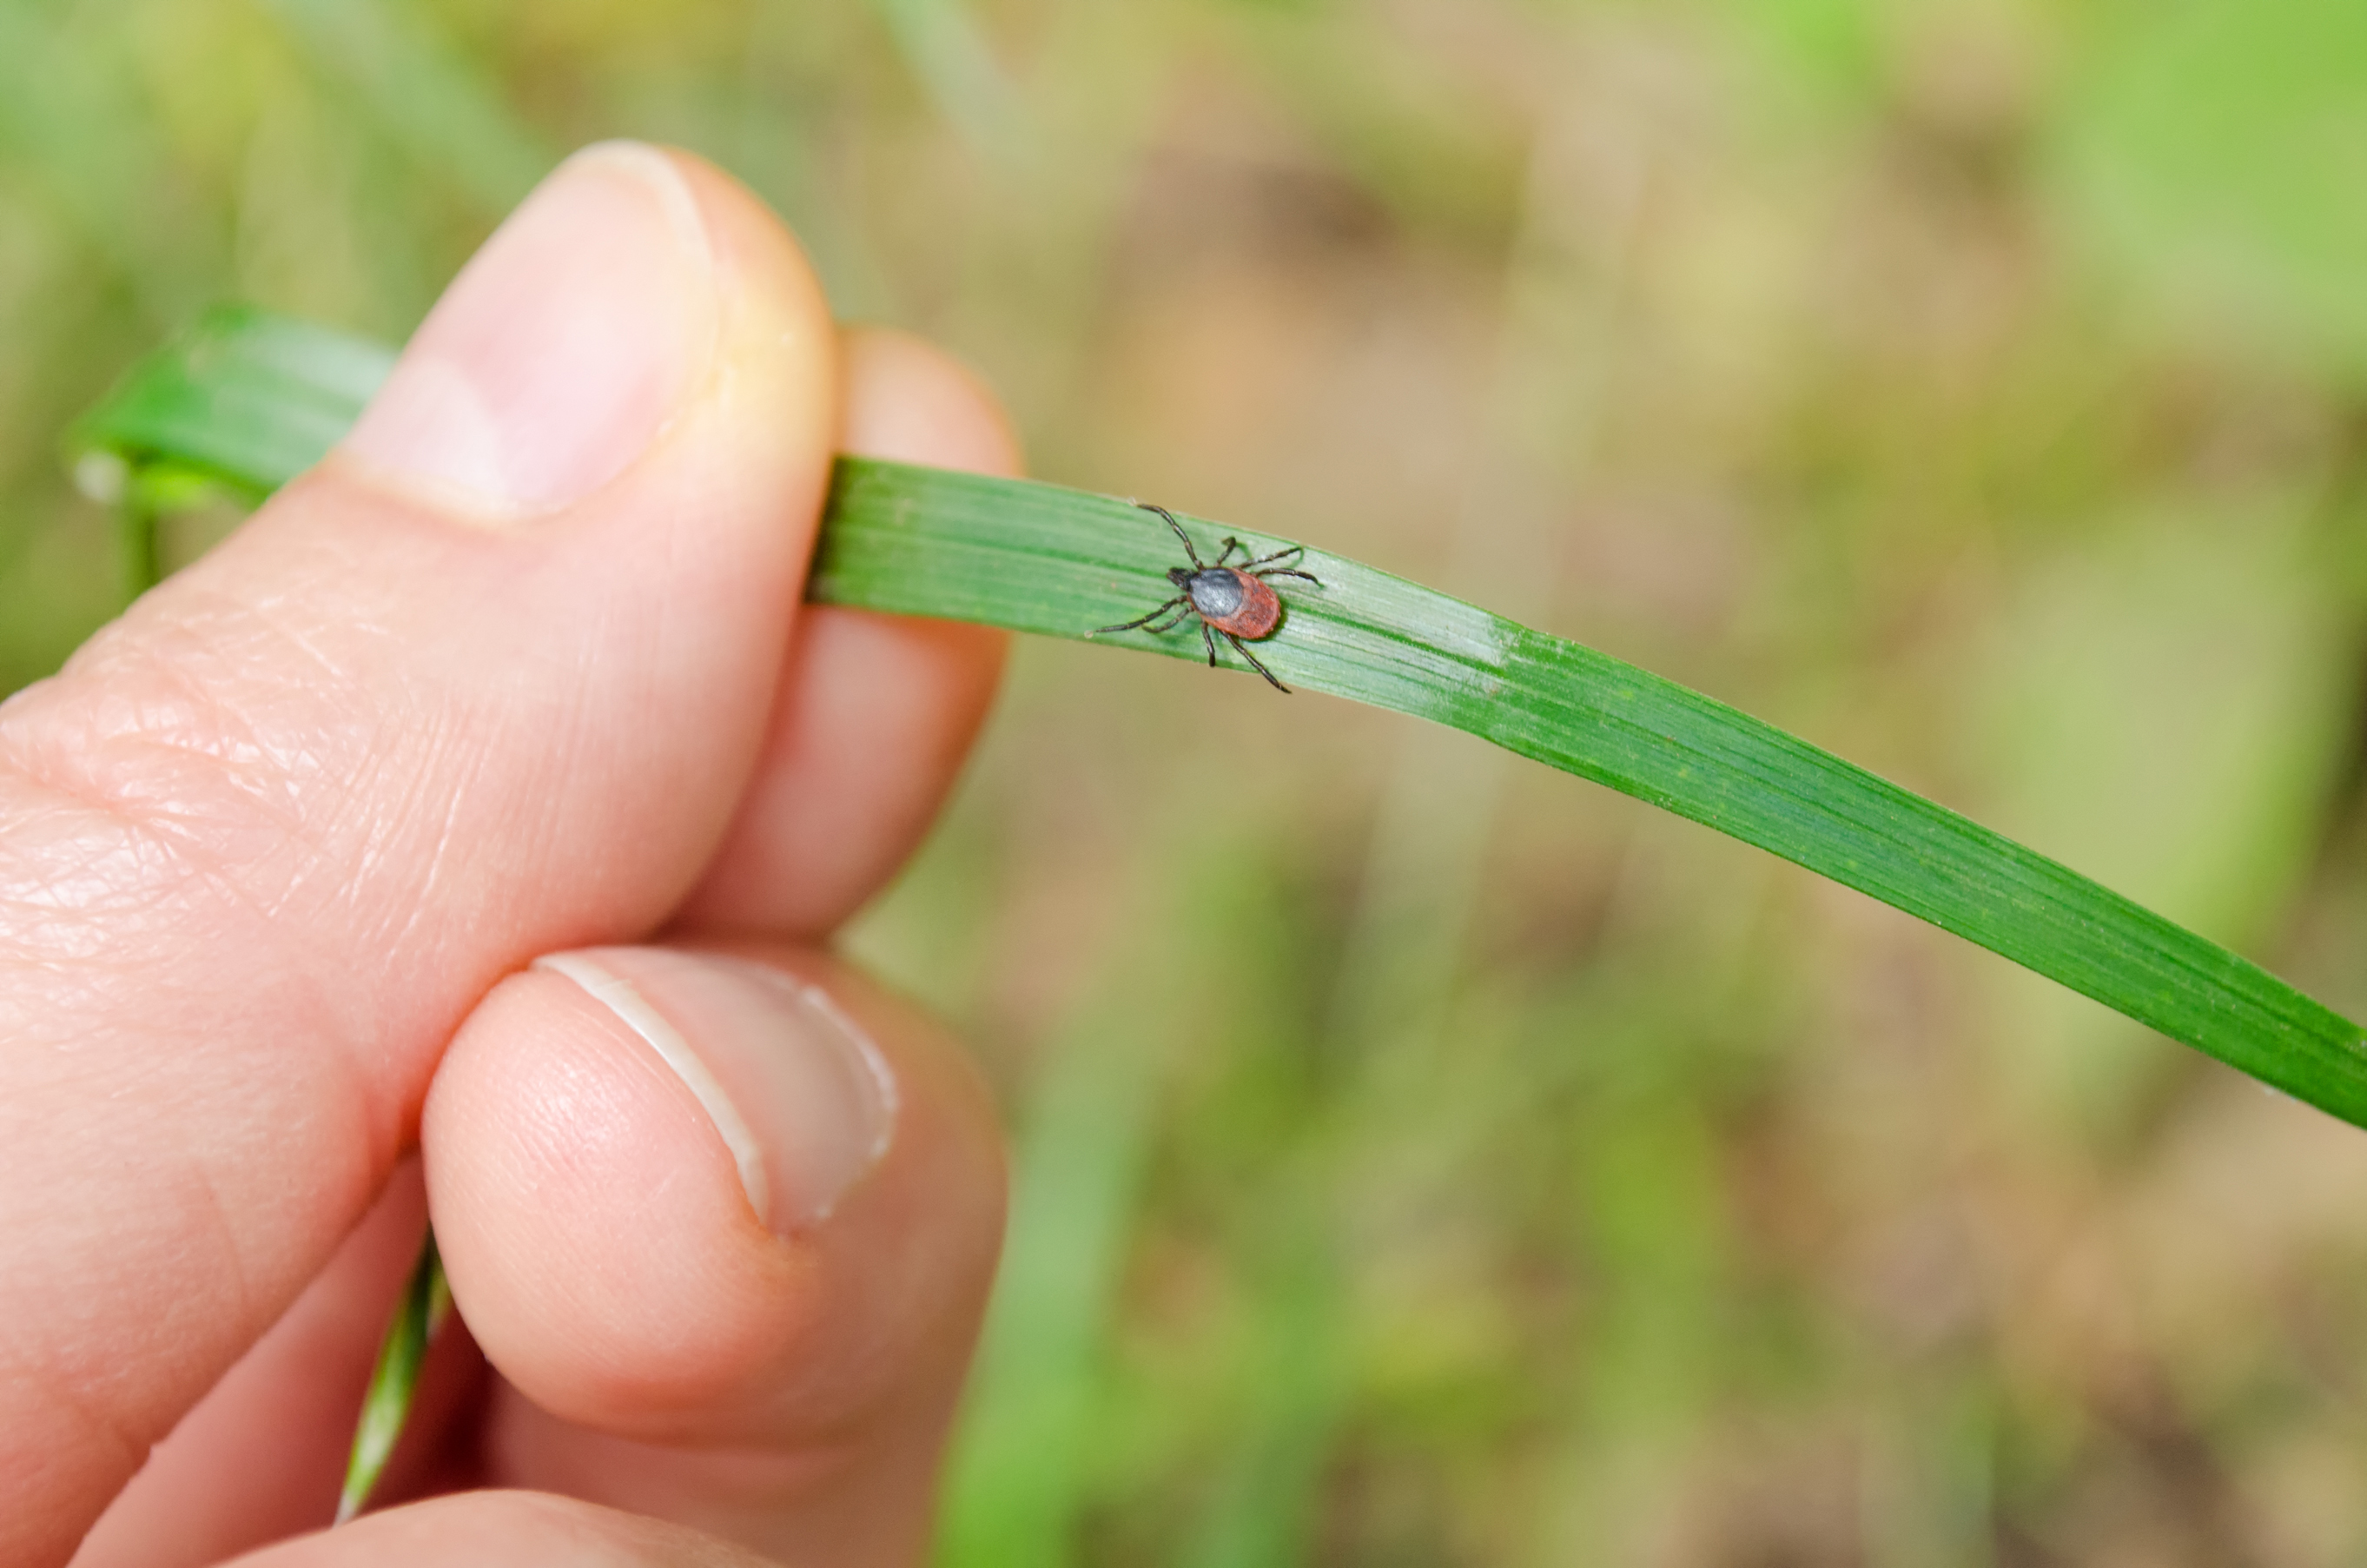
1260, 613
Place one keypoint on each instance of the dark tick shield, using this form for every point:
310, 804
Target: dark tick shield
1234, 600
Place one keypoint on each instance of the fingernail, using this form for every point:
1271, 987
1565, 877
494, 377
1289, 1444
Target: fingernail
803, 1100
561, 349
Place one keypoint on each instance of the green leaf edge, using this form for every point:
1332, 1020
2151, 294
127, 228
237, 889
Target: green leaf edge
253, 399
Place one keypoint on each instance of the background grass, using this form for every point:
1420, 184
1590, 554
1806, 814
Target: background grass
1970, 386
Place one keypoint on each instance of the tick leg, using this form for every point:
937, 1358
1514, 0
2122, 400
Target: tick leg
1142, 621
1182, 613
1288, 571
1179, 532
1231, 544
1277, 555
1242, 650
1210, 638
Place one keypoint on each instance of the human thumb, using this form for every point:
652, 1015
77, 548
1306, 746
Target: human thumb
487, 683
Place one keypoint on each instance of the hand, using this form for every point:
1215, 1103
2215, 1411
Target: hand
520, 671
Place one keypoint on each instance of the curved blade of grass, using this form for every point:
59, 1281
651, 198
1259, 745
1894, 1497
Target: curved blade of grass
252, 399
920, 541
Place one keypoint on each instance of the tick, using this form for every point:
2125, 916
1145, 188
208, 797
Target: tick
1234, 600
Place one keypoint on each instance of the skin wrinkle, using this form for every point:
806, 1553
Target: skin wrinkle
100, 1389
380, 828
571, 723
449, 751
190, 1205
391, 834
447, 748
270, 611
186, 1200
163, 727
284, 760
259, 779
172, 777
396, 834
191, 666
163, 878
47, 1382
81, 896
200, 1196
165, 884
283, 766
240, 1272
99, 991
452, 747
439, 856
114, 878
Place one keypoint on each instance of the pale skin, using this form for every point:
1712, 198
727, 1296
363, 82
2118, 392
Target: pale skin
521, 670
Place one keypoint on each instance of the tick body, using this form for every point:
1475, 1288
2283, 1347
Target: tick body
1230, 600
1235, 601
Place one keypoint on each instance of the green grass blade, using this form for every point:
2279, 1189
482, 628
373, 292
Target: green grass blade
395, 1379
248, 398
920, 541
254, 399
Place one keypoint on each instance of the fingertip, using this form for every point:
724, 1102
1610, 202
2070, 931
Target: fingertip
781, 326
617, 1259
590, 1217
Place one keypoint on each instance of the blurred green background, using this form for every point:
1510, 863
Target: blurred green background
1424, 1158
